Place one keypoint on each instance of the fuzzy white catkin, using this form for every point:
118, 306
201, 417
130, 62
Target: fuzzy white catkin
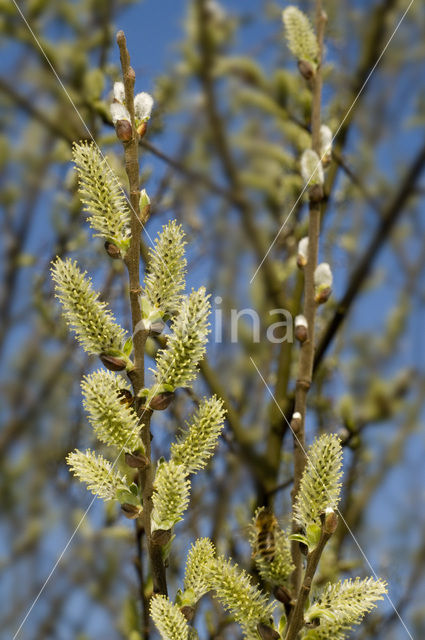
311, 168
325, 140
323, 275
119, 112
303, 247
119, 92
143, 104
301, 321
302, 41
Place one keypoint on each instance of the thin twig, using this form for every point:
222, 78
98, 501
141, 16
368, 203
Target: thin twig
132, 262
297, 617
305, 366
138, 564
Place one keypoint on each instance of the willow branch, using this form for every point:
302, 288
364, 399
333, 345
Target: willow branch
305, 366
297, 617
132, 261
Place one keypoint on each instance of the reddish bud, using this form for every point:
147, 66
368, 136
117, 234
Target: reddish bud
315, 193
301, 334
330, 523
112, 363
141, 129
112, 250
306, 69
130, 511
123, 130
136, 461
126, 397
323, 295
282, 594
188, 612
161, 537
301, 261
267, 633
161, 401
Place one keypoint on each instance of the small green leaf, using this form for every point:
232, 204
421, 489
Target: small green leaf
116, 353
313, 535
282, 625
128, 346
297, 537
125, 496
186, 598
134, 489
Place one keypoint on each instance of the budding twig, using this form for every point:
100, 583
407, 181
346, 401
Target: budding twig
305, 368
132, 261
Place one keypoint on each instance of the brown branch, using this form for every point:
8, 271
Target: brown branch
132, 261
305, 366
138, 564
297, 617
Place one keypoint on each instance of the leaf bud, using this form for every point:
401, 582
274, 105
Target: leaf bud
162, 400
302, 256
323, 280
306, 69
136, 461
161, 537
112, 362
123, 130
112, 250
131, 511
301, 328
267, 633
330, 521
